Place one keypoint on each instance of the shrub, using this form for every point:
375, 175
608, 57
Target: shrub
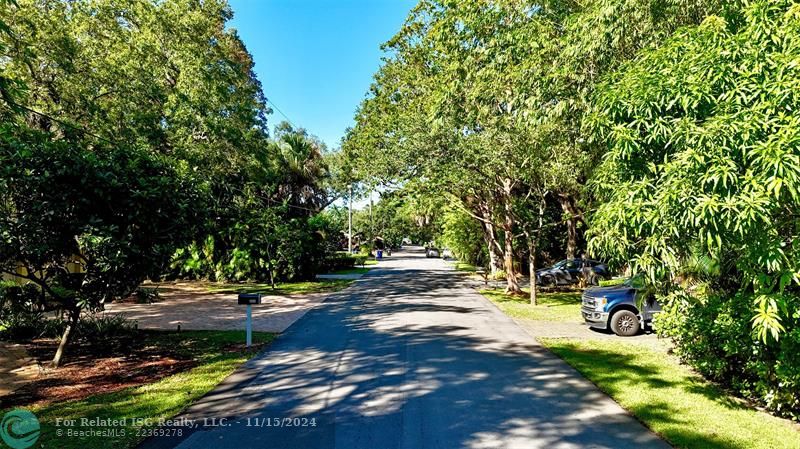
102, 328
716, 336
338, 261
499, 275
147, 295
463, 235
341, 261
21, 325
611, 282
20, 317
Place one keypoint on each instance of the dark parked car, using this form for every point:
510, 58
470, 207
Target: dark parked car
431, 252
622, 308
570, 271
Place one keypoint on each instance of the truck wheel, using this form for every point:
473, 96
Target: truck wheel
625, 323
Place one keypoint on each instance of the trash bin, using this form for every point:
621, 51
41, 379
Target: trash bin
380, 254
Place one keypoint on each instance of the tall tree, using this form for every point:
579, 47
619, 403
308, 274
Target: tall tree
702, 137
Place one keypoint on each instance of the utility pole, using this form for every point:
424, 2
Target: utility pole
350, 221
371, 222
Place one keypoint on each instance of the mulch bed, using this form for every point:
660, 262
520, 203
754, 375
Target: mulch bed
84, 372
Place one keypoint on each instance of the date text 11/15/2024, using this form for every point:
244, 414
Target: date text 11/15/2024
188, 423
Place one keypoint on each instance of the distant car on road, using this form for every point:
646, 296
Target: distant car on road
431, 253
570, 271
622, 308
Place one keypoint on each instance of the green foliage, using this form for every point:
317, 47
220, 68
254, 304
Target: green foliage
611, 282
463, 235
716, 337
277, 232
484, 102
396, 215
133, 136
702, 150
103, 210
342, 261
20, 325
289, 288
106, 332
147, 295
499, 275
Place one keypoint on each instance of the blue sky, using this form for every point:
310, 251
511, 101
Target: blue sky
316, 58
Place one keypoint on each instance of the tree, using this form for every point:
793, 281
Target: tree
443, 74
146, 96
463, 235
702, 148
270, 235
88, 226
166, 76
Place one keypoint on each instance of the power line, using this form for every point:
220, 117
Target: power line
281, 112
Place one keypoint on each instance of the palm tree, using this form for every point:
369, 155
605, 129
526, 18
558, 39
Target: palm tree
302, 171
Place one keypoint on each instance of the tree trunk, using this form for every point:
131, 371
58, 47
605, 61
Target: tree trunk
572, 223
575, 216
512, 282
492, 245
270, 268
74, 316
533, 243
495, 262
532, 269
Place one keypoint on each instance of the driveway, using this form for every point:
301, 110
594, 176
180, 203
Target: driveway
192, 306
408, 357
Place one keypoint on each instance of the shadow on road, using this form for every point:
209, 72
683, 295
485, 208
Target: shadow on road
407, 359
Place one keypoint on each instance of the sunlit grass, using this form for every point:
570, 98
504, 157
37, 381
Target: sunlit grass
159, 400
668, 397
358, 270
463, 266
282, 288
559, 306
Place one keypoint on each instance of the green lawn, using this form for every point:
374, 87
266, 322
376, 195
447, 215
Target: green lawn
552, 306
668, 397
282, 288
463, 266
162, 399
355, 270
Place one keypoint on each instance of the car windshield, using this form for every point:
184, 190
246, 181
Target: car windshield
561, 264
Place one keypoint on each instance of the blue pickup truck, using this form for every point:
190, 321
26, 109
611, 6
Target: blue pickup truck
622, 308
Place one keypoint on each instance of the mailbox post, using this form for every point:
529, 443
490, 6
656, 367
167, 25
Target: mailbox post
249, 299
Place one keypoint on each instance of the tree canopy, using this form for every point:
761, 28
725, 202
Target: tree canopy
134, 145
702, 140
665, 131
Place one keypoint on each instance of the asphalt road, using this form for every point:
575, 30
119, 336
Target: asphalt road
409, 358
